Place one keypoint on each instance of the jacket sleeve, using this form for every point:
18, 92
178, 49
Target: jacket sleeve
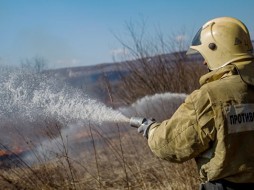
187, 133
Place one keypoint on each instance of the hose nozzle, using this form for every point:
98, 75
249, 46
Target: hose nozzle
137, 121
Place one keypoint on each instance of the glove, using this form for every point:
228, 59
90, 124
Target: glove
145, 126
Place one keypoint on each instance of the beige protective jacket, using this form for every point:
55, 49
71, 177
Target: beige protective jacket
215, 125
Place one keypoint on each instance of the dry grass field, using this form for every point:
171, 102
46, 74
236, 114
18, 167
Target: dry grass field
120, 162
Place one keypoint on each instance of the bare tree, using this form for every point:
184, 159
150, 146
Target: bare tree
35, 64
156, 65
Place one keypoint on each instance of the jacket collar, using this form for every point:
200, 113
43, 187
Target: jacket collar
218, 74
245, 69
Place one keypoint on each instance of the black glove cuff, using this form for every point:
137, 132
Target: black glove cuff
148, 124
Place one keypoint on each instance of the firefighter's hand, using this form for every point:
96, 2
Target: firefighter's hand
144, 127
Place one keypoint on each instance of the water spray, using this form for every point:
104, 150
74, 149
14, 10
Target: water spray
32, 103
34, 97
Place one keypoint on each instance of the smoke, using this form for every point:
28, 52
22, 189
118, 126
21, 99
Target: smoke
158, 106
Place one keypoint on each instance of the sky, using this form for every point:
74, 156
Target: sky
69, 33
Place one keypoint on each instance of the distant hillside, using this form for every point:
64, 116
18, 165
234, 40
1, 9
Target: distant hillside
92, 78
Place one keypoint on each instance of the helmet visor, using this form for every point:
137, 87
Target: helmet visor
196, 40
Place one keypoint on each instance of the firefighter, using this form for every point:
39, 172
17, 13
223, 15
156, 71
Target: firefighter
215, 124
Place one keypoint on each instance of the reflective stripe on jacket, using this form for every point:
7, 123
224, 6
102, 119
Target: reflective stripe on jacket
215, 125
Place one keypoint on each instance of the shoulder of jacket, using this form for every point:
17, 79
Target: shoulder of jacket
202, 92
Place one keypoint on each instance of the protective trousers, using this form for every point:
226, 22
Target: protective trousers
226, 185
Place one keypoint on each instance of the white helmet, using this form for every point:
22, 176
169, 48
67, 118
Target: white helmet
222, 41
